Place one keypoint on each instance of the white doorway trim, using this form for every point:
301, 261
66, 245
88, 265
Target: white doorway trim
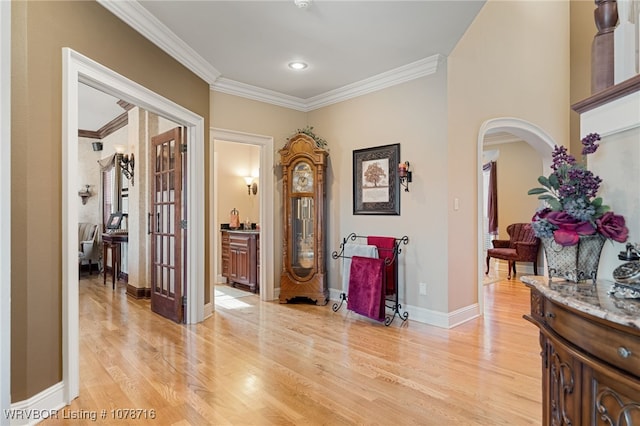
5, 206
528, 132
266, 183
80, 69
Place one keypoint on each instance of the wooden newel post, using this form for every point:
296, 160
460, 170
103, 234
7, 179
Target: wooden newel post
602, 49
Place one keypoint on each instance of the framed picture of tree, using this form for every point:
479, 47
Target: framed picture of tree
376, 187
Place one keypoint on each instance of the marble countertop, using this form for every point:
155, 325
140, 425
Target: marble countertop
591, 298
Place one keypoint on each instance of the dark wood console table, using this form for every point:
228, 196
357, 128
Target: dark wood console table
590, 350
112, 242
241, 258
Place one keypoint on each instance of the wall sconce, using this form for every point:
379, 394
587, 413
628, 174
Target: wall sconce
405, 175
127, 164
97, 146
251, 187
85, 194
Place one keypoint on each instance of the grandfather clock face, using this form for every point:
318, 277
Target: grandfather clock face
302, 178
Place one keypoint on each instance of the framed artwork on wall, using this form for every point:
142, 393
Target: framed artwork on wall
115, 220
376, 187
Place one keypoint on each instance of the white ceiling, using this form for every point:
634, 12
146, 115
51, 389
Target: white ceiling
96, 108
243, 47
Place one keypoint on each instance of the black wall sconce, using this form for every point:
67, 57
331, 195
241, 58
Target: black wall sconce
127, 164
405, 175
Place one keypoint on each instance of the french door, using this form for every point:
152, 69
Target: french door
165, 224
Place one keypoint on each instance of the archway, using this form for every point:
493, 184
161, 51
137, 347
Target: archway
538, 139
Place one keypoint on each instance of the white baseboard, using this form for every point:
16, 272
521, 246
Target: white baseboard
44, 405
428, 316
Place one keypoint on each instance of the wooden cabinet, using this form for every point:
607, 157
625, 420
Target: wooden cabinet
590, 366
240, 258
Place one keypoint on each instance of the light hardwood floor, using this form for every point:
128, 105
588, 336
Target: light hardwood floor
257, 363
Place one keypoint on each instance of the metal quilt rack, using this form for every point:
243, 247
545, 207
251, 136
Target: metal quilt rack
390, 303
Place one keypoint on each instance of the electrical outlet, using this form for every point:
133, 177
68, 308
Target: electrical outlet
423, 289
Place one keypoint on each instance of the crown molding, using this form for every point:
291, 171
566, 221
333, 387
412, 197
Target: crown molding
138, 18
421, 68
116, 124
231, 87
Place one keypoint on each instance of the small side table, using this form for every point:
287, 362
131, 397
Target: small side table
112, 241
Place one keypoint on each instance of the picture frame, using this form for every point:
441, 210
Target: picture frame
376, 187
115, 220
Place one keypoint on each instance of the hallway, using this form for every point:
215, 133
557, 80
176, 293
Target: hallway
264, 363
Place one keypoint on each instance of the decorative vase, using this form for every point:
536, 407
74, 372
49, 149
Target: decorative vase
574, 263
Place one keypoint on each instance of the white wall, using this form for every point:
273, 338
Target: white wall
89, 174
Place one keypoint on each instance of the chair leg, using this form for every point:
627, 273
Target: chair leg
535, 267
509, 269
487, 273
514, 269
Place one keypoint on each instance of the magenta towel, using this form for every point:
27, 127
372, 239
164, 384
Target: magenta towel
366, 284
385, 251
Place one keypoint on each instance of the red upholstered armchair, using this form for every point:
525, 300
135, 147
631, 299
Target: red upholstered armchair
522, 246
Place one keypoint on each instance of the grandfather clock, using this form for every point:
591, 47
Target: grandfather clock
303, 255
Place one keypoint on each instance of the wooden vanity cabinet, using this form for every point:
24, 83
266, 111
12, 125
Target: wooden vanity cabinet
240, 254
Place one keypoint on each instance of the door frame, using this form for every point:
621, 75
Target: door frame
5, 205
78, 68
266, 194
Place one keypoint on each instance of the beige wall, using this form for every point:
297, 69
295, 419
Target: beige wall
513, 61
244, 115
519, 166
234, 161
39, 32
583, 29
412, 114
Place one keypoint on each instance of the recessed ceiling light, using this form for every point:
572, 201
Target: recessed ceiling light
297, 65
302, 4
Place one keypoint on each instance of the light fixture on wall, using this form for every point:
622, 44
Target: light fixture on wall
127, 165
405, 175
85, 194
97, 146
251, 185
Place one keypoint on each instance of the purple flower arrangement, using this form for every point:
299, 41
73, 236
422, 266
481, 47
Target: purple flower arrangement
572, 206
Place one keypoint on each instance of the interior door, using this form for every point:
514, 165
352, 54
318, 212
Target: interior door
164, 221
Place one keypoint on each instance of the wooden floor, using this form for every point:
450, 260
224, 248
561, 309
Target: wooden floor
262, 363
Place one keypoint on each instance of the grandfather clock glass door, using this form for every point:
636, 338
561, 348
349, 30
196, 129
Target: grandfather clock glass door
166, 235
302, 250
